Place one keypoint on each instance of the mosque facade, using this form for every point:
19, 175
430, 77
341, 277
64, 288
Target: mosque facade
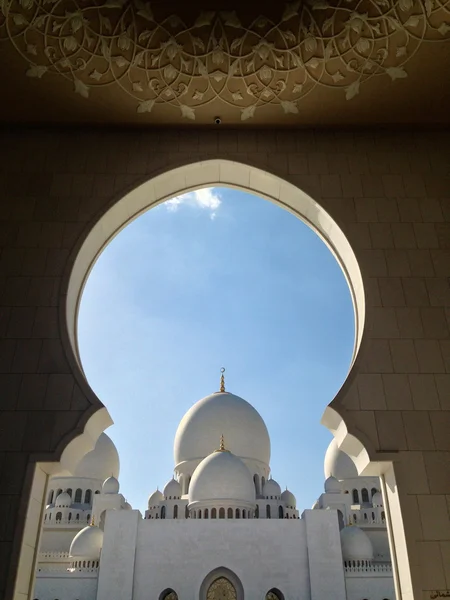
221, 528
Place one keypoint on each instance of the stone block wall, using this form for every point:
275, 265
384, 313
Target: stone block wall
389, 191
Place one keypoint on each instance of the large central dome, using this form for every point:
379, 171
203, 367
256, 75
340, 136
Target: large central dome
220, 414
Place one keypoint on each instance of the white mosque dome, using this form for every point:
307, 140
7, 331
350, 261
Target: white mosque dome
377, 499
224, 414
337, 464
271, 489
289, 499
172, 489
222, 476
155, 499
332, 486
63, 500
101, 462
87, 543
356, 544
110, 486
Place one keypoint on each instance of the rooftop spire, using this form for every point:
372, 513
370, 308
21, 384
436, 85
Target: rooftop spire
222, 379
222, 445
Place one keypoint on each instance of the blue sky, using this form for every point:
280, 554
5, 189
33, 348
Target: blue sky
216, 278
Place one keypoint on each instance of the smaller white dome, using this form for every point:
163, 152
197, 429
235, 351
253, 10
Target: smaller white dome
289, 499
63, 500
110, 486
172, 489
356, 544
338, 464
377, 499
271, 488
87, 543
332, 486
155, 499
222, 476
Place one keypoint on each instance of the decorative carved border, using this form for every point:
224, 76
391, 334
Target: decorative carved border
165, 61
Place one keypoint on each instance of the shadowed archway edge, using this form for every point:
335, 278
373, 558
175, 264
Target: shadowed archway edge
181, 177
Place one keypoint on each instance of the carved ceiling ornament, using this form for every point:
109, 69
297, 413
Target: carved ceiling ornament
248, 66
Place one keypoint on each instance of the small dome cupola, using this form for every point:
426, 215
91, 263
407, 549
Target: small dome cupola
271, 489
332, 486
289, 499
101, 462
155, 499
172, 490
220, 478
63, 500
356, 544
377, 500
110, 486
87, 543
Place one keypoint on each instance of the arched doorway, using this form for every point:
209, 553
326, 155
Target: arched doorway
221, 584
151, 193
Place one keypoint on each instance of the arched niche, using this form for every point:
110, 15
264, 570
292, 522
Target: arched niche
215, 577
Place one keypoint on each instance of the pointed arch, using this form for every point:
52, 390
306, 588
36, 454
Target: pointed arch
168, 594
226, 581
274, 594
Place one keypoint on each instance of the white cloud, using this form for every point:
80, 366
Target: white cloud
205, 198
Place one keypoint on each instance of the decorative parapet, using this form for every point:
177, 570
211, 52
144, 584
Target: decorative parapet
52, 556
165, 60
365, 567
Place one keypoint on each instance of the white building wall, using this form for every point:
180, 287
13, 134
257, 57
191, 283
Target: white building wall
116, 574
65, 586
370, 588
262, 553
324, 554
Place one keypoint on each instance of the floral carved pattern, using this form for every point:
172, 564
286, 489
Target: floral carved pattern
162, 60
221, 589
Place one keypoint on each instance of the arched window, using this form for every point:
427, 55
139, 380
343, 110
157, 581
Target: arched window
70, 516
365, 516
50, 517
50, 497
77, 518
58, 516
175, 511
88, 497
97, 491
221, 588
365, 495
214, 513
280, 512
88, 518
257, 512
268, 511
163, 512
274, 594
354, 518
373, 491
168, 594
69, 491
206, 513
383, 515
58, 492
186, 512
256, 482
45, 517
263, 483
355, 497
238, 513
373, 516
221, 513
340, 520
230, 513
244, 513
78, 495
199, 514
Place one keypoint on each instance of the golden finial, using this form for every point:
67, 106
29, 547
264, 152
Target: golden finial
222, 445
222, 379
92, 523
